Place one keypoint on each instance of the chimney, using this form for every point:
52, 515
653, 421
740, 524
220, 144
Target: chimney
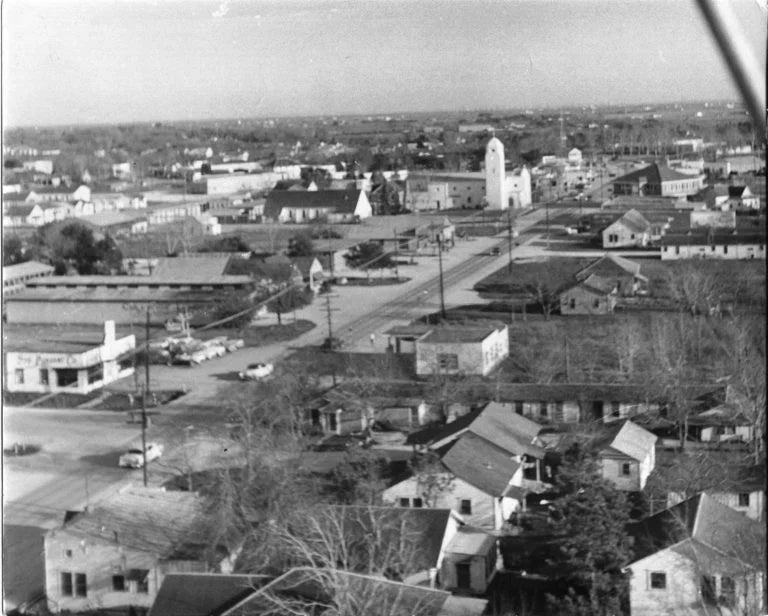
109, 332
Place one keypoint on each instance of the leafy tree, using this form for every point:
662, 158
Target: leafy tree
13, 250
229, 305
290, 301
432, 477
228, 243
591, 516
72, 246
301, 245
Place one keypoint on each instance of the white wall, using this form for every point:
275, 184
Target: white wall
717, 251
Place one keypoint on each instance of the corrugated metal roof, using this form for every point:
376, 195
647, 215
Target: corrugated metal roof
500, 425
481, 464
143, 519
633, 441
203, 594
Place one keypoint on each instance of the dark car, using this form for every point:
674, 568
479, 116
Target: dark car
494, 251
331, 344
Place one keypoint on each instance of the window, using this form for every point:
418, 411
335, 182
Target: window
708, 589
725, 249
447, 361
519, 407
543, 410
66, 584
118, 583
418, 503
615, 409
596, 303
626, 469
405, 502
465, 506
66, 377
19, 373
658, 580
727, 591
43, 376
744, 499
68, 553
139, 578
95, 373
81, 585
572, 303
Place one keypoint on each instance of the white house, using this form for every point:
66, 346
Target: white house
304, 206
632, 229
76, 365
706, 244
462, 350
478, 480
698, 557
117, 553
627, 456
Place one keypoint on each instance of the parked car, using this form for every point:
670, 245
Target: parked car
331, 344
494, 251
233, 345
255, 372
133, 458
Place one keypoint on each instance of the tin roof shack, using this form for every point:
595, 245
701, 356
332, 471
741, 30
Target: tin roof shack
462, 350
117, 554
697, 557
43, 360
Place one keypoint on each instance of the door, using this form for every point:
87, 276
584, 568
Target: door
463, 576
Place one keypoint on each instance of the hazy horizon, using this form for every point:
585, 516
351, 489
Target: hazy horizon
70, 62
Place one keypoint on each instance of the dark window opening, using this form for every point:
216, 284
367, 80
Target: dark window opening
465, 506
727, 591
332, 422
66, 377
81, 585
744, 499
519, 407
19, 376
418, 503
43, 376
626, 469
658, 580
405, 502
614, 409
708, 589
447, 361
96, 373
141, 577
118, 583
66, 584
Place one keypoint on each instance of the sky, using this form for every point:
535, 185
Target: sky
108, 61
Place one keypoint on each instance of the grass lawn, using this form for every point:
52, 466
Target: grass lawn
375, 365
59, 401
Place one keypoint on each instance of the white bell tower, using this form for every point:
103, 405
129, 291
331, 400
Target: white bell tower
495, 176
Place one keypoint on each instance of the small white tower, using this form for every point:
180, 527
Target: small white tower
495, 176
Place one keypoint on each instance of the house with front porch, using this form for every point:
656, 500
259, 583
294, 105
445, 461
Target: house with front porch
305, 206
632, 229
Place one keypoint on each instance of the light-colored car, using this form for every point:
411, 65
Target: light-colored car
134, 459
214, 350
233, 345
254, 372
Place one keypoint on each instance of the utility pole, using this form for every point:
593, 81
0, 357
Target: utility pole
144, 434
146, 352
509, 239
328, 311
547, 209
567, 362
397, 271
440, 262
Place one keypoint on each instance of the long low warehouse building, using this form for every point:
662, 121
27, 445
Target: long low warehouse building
97, 304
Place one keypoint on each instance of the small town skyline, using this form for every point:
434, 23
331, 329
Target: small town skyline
167, 61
